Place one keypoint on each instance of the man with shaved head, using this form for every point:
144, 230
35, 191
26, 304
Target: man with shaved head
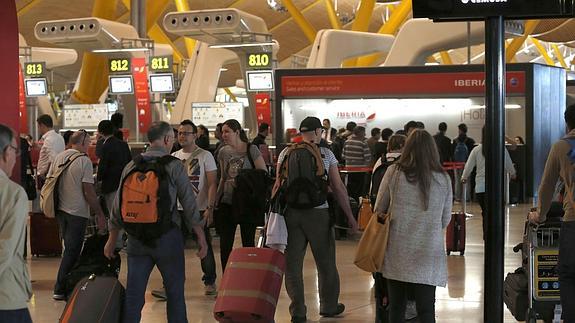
76, 196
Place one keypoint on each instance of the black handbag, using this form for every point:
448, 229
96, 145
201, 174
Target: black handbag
30, 187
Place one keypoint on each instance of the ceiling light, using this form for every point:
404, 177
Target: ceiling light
120, 50
242, 45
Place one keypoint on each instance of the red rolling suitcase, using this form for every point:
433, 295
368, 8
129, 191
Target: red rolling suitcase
455, 235
44, 236
251, 285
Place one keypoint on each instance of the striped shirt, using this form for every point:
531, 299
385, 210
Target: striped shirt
356, 152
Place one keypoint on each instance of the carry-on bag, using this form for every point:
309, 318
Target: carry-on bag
251, 285
515, 293
44, 236
92, 261
96, 299
455, 233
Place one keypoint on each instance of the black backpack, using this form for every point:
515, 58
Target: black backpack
377, 177
304, 177
145, 203
252, 188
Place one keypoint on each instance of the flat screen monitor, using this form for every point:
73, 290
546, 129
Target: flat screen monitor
162, 83
121, 84
260, 80
36, 87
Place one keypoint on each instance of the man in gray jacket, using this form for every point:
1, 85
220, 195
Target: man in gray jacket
167, 251
14, 278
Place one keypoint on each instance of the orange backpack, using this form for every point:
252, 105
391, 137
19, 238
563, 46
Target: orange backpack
145, 202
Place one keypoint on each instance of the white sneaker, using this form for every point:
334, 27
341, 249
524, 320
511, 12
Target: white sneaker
210, 290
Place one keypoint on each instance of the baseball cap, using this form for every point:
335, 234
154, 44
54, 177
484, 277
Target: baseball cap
310, 124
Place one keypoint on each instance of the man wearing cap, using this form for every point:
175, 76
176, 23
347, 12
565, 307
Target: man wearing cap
313, 225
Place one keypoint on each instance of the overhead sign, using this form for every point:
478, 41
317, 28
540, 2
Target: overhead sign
119, 65
210, 114
34, 69
161, 63
479, 9
84, 116
259, 60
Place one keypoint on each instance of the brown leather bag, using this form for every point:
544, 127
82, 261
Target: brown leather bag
365, 213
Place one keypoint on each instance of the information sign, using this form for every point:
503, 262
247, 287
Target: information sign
84, 116
119, 65
259, 60
211, 113
161, 63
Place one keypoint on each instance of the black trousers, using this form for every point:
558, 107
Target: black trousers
227, 225
481, 198
424, 301
567, 270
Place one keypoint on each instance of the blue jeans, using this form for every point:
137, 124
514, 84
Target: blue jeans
15, 316
567, 271
168, 255
72, 230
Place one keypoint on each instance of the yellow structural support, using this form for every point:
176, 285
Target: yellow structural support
158, 35
94, 72
559, 55
445, 58
543, 51
363, 16
232, 96
27, 7
308, 30
512, 49
182, 5
398, 17
333, 19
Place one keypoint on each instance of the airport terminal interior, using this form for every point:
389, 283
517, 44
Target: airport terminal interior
375, 64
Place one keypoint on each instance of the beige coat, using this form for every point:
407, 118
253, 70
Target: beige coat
416, 247
15, 287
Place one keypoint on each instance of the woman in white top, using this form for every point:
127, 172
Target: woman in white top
477, 159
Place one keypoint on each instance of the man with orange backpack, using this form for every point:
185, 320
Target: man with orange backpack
146, 207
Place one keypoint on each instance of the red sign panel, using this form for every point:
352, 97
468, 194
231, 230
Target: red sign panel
23, 112
472, 83
263, 108
142, 94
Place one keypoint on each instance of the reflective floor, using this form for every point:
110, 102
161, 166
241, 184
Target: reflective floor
460, 301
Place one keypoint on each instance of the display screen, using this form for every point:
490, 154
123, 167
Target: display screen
479, 9
260, 80
162, 83
36, 87
121, 84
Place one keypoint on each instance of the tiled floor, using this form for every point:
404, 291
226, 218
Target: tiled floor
460, 301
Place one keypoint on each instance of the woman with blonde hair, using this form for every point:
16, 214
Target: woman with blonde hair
420, 195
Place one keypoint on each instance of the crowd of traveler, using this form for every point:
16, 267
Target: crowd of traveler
201, 185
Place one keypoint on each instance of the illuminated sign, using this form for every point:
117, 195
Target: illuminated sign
36, 87
119, 65
162, 83
35, 69
260, 80
259, 60
479, 9
121, 84
161, 63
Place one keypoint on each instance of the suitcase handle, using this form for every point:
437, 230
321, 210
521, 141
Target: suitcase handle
261, 231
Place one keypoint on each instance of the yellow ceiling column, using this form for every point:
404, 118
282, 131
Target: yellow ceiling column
182, 5
94, 72
399, 15
300, 20
543, 51
333, 19
559, 55
516, 44
361, 23
445, 58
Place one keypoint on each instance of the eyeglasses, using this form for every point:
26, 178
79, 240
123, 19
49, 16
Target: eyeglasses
17, 150
185, 133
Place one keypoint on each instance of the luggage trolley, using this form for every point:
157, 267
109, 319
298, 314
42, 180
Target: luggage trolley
542, 251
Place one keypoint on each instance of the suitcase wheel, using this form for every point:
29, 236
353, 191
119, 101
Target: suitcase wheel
462, 252
449, 253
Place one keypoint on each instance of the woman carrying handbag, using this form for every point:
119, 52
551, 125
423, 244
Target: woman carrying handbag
415, 196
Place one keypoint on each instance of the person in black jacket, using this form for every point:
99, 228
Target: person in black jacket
203, 140
443, 144
115, 155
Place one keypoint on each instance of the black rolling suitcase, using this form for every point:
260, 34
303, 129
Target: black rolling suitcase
515, 293
96, 299
92, 261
